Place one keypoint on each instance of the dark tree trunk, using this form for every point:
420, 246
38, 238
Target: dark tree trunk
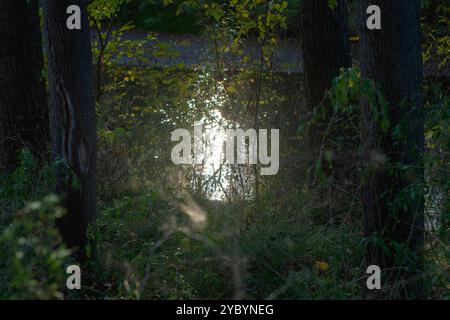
72, 117
325, 49
23, 98
393, 176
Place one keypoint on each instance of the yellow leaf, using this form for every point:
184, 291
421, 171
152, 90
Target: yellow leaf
322, 266
354, 39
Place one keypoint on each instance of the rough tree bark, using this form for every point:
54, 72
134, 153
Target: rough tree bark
72, 118
393, 175
325, 49
23, 98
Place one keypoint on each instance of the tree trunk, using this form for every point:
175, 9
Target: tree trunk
23, 98
393, 174
72, 118
325, 49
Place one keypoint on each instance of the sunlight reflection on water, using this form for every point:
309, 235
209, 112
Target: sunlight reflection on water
214, 140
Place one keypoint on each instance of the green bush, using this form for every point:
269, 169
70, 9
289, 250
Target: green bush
34, 256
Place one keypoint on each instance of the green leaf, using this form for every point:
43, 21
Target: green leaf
332, 4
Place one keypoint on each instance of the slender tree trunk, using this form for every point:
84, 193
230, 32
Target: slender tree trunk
23, 99
393, 176
325, 49
72, 117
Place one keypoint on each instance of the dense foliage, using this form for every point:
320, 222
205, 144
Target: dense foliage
171, 232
